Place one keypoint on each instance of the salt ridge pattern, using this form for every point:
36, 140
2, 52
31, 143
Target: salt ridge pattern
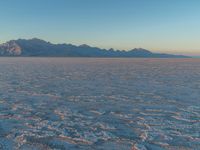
97, 103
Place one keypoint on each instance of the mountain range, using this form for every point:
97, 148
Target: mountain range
38, 47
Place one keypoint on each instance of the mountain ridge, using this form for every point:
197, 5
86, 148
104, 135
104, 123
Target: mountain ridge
38, 47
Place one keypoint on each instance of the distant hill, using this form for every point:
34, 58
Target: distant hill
37, 47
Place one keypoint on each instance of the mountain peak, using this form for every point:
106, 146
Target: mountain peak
84, 46
36, 39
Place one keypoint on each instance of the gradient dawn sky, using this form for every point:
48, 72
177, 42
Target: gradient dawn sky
158, 25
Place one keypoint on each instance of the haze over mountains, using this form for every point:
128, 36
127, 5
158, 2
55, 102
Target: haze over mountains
38, 47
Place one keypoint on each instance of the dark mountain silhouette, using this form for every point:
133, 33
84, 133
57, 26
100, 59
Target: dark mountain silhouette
37, 47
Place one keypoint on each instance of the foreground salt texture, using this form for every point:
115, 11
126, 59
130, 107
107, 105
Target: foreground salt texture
103, 104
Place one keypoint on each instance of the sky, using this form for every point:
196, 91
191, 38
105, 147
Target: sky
158, 25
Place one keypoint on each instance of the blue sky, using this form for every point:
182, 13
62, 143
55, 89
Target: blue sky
159, 25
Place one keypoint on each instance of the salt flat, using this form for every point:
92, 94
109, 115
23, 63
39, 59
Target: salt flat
98, 103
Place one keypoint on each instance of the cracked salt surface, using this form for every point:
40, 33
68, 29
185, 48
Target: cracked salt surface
110, 104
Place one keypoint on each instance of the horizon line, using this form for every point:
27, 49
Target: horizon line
92, 46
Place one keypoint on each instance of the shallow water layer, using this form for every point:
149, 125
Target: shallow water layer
97, 103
